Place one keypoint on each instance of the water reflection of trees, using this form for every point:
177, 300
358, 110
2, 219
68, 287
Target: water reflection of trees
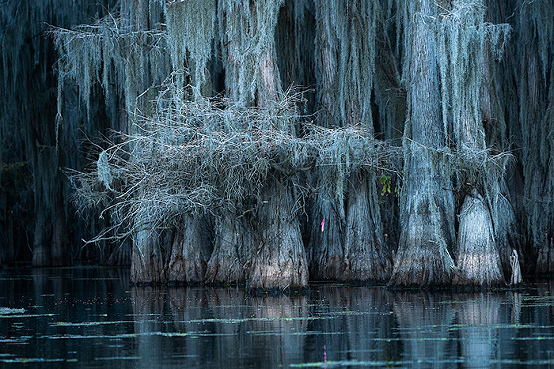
96, 316
475, 330
479, 318
424, 325
225, 327
354, 326
218, 327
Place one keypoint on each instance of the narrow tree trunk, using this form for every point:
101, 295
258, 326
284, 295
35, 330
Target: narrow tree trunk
545, 259
60, 254
278, 259
328, 219
41, 253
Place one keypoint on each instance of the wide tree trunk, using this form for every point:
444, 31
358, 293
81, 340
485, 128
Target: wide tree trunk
427, 204
232, 245
486, 216
477, 256
190, 251
366, 255
148, 259
326, 246
278, 259
346, 226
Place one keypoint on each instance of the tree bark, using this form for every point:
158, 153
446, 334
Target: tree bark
477, 256
190, 251
278, 259
545, 259
147, 261
486, 215
326, 246
366, 255
231, 249
427, 204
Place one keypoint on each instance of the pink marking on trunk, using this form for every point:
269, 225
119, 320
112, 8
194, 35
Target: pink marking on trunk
323, 225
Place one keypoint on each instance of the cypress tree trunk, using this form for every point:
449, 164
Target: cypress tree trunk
276, 255
190, 251
477, 256
471, 42
534, 58
326, 246
427, 205
49, 246
278, 259
232, 245
148, 260
346, 48
365, 255
545, 259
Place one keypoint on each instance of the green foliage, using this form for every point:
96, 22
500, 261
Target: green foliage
387, 187
386, 183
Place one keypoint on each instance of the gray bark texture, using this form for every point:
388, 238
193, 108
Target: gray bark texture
148, 259
477, 256
427, 206
190, 252
232, 244
278, 258
366, 255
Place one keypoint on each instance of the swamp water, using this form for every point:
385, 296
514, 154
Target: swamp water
91, 318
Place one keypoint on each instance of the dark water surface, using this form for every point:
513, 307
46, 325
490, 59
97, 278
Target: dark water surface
91, 318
